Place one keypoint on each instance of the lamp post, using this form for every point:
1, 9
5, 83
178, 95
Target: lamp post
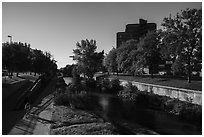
10, 38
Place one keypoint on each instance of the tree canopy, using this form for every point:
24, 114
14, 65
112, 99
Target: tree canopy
180, 41
183, 40
19, 57
132, 56
148, 52
88, 60
110, 61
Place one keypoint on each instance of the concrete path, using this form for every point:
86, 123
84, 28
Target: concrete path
39, 120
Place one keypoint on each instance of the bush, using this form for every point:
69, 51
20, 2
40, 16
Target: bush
72, 99
89, 84
61, 84
104, 85
115, 86
109, 86
129, 92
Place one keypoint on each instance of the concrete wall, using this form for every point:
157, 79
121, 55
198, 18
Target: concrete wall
182, 94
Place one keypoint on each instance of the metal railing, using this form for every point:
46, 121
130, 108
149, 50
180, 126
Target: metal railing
28, 93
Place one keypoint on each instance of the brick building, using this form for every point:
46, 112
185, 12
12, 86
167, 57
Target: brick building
135, 31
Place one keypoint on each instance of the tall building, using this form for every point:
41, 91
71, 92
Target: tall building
135, 31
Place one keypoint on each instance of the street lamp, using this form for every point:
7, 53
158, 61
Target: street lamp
10, 38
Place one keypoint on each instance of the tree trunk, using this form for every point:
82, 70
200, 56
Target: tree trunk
189, 68
189, 74
152, 76
151, 69
189, 77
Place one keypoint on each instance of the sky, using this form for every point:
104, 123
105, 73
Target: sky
56, 27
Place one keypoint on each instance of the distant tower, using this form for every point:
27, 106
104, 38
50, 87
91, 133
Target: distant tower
10, 37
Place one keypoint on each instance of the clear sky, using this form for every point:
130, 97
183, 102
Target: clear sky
56, 27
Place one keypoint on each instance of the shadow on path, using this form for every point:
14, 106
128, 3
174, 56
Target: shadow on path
26, 126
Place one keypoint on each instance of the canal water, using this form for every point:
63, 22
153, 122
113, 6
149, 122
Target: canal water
114, 109
67, 80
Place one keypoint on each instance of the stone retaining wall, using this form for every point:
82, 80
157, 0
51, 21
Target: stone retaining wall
182, 94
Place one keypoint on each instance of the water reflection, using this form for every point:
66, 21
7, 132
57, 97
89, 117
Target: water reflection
104, 102
68, 80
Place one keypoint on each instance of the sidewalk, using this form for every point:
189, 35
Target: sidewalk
41, 113
38, 122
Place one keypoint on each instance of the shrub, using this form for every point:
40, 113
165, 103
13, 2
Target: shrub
73, 100
129, 92
61, 84
104, 85
115, 86
89, 84
109, 86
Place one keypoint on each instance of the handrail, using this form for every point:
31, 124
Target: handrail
32, 88
27, 92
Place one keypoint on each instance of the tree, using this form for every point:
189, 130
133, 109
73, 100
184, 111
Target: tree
110, 61
19, 57
121, 59
7, 57
88, 60
37, 61
124, 58
15, 57
148, 52
67, 70
43, 62
183, 39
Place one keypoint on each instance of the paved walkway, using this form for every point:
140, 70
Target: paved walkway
38, 122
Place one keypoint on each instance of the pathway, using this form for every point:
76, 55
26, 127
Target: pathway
38, 122
41, 113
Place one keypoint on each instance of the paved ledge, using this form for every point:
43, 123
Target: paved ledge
173, 88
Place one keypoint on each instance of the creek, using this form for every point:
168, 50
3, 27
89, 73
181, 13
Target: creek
113, 109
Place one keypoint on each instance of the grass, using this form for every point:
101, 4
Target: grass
79, 122
164, 81
29, 77
10, 80
7, 80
